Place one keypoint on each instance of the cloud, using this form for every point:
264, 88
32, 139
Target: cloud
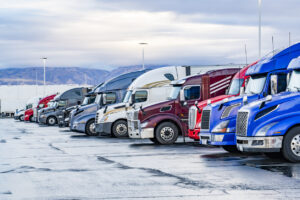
106, 33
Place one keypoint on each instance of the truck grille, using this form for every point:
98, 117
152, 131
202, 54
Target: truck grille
242, 123
192, 117
133, 121
205, 119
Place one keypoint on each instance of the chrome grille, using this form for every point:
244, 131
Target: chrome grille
228, 110
192, 117
205, 119
242, 123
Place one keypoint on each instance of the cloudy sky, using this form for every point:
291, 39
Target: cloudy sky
105, 33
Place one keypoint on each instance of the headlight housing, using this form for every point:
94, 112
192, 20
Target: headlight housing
221, 127
264, 130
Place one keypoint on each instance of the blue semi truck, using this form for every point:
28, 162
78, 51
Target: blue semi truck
273, 123
112, 91
218, 125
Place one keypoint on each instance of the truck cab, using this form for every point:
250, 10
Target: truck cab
218, 124
43, 103
82, 119
149, 88
237, 85
33, 103
273, 123
163, 122
65, 100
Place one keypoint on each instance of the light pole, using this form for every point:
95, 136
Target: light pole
143, 53
259, 28
44, 62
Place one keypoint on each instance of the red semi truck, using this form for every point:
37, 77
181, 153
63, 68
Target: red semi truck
195, 112
163, 122
31, 113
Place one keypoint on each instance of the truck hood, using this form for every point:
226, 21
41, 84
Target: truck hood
213, 100
46, 110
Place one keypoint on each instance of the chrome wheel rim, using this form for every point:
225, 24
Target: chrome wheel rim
51, 121
167, 133
92, 128
295, 145
121, 129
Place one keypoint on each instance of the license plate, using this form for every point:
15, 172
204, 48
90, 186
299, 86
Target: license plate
240, 148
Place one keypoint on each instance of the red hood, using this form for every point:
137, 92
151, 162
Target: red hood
213, 100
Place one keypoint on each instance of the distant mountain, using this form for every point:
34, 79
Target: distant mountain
62, 75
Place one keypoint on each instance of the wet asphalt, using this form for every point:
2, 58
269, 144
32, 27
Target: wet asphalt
40, 162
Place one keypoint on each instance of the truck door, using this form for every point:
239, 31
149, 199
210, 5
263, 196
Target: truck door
191, 94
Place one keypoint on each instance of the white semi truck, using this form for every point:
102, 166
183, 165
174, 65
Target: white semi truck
151, 87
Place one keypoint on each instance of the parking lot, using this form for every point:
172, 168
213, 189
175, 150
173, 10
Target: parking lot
40, 162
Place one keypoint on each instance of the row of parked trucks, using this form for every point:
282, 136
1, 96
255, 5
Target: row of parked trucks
253, 108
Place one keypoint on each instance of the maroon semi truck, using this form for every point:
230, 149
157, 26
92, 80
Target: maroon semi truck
163, 122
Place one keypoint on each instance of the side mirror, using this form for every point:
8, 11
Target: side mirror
274, 84
242, 90
131, 100
104, 99
181, 95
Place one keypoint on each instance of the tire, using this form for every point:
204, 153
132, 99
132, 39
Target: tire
291, 145
21, 117
154, 140
120, 129
31, 118
51, 121
166, 133
90, 128
231, 148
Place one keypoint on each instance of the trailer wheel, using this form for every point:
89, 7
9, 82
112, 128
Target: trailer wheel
21, 117
120, 129
90, 128
166, 133
51, 121
231, 149
291, 145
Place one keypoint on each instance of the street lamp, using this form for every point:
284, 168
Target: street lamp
143, 52
259, 28
44, 62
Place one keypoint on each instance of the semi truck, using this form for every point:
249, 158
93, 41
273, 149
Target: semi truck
112, 91
64, 118
43, 103
163, 122
273, 123
218, 124
19, 114
32, 103
67, 99
195, 112
148, 88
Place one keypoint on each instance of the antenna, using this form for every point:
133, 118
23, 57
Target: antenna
246, 54
273, 45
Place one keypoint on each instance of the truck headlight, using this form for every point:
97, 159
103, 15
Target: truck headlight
221, 127
263, 131
43, 116
143, 125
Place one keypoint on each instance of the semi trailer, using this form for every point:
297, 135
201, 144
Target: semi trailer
149, 88
218, 124
67, 99
111, 92
273, 123
195, 112
163, 122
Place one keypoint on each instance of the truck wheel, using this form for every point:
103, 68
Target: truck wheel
166, 133
90, 128
231, 149
21, 118
31, 118
291, 145
120, 129
51, 121
154, 140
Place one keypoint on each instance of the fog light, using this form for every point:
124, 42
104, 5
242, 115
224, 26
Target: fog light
218, 138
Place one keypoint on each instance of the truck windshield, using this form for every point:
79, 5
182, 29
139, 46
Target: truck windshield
235, 86
127, 96
256, 84
294, 84
98, 99
174, 92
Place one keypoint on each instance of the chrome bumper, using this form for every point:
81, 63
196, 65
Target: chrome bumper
259, 144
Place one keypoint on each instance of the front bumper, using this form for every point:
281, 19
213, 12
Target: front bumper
104, 128
194, 134
142, 133
63, 122
78, 127
259, 144
42, 120
217, 139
